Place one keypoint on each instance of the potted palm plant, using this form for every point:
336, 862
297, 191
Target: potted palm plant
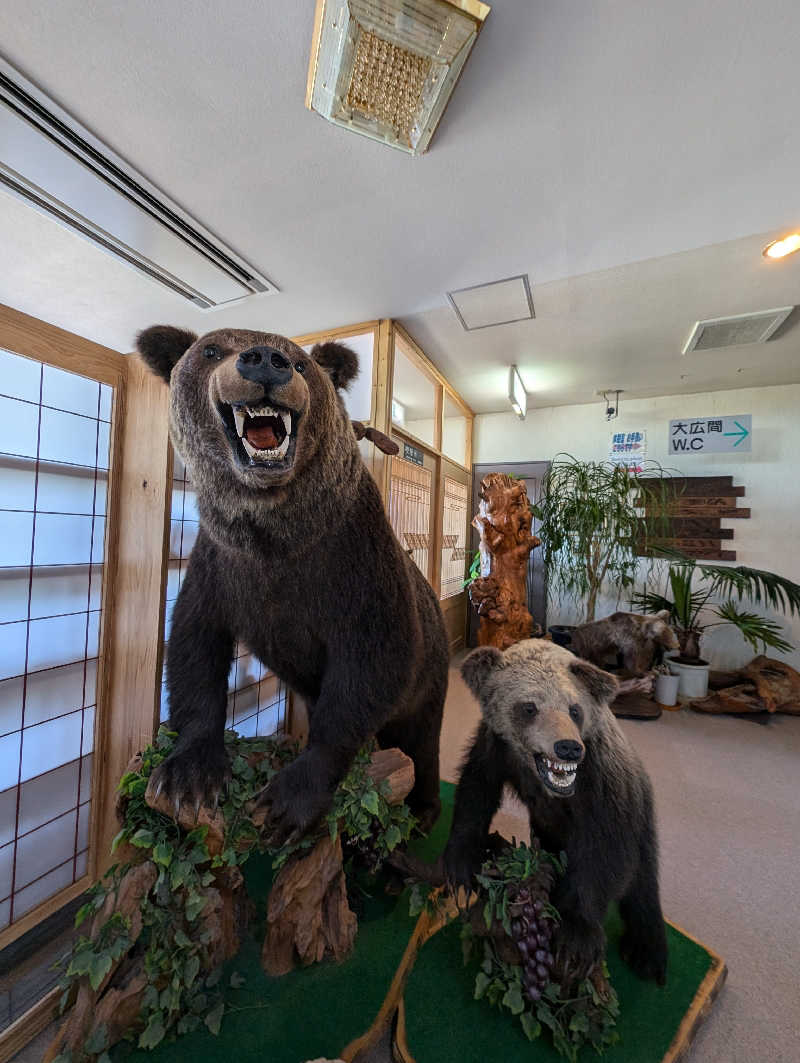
591, 527
701, 596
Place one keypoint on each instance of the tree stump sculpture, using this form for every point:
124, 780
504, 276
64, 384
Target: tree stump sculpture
499, 593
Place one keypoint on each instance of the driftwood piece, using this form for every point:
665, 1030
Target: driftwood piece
765, 685
380, 439
308, 916
776, 683
500, 594
396, 769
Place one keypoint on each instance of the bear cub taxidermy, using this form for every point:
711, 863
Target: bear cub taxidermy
295, 557
548, 733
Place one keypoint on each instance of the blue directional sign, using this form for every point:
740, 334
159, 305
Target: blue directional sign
711, 435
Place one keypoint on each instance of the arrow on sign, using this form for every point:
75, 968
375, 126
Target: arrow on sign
742, 434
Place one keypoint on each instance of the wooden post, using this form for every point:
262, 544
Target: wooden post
504, 523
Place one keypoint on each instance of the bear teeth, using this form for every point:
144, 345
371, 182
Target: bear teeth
241, 413
273, 454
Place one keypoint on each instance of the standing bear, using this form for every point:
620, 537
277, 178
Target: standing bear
295, 557
548, 733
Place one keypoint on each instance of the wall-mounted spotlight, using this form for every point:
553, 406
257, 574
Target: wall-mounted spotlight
517, 395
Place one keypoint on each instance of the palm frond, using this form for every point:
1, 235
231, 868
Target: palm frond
651, 602
756, 629
756, 585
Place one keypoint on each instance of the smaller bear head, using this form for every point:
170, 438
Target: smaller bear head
544, 702
250, 405
656, 627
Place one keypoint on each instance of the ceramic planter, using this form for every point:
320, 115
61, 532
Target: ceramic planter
693, 678
667, 689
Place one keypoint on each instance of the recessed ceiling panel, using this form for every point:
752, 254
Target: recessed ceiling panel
495, 303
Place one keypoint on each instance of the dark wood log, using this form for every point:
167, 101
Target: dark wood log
500, 594
776, 683
308, 916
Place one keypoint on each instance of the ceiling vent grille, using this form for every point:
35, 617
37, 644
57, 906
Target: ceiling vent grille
737, 330
57, 166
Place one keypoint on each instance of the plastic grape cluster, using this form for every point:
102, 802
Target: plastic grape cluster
532, 931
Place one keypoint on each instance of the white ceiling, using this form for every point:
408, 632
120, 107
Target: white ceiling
581, 138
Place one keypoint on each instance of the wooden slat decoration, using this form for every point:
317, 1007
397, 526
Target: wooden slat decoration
692, 521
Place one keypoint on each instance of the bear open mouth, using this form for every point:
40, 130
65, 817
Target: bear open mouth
557, 775
261, 435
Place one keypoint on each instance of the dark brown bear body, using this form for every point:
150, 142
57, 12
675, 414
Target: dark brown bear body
294, 557
548, 733
633, 639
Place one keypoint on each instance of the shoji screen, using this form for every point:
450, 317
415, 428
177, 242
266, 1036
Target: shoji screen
54, 467
454, 536
257, 700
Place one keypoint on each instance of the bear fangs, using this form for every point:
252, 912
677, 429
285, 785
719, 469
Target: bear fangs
558, 774
241, 414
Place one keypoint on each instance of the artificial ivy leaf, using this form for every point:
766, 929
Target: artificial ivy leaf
487, 915
153, 1033
481, 984
370, 802
191, 969
194, 905
512, 999
214, 977
99, 968
162, 854
119, 837
142, 839
531, 1027
579, 1023
393, 837
214, 1018
104, 1058
237, 980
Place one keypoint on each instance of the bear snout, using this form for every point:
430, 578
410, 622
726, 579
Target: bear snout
266, 366
568, 749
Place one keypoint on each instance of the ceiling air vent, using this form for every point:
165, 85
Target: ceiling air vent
54, 164
737, 330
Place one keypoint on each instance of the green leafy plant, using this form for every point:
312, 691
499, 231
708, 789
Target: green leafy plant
591, 525
692, 594
180, 994
578, 1014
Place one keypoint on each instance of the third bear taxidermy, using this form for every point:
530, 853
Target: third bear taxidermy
547, 732
295, 557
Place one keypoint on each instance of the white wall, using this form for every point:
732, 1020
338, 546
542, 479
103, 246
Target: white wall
770, 474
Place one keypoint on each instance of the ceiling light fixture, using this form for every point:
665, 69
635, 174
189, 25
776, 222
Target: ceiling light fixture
517, 395
787, 245
386, 68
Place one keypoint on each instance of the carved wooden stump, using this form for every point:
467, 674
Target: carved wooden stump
500, 593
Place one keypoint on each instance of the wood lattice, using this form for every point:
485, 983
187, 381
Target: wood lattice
692, 521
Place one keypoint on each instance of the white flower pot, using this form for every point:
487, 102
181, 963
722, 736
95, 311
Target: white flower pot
693, 678
667, 689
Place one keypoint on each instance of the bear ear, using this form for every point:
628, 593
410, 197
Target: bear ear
339, 361
662, 614
477, 668
161, 346
598, 683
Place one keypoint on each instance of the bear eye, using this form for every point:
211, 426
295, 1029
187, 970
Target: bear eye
527, 709
576, 712
212, 351
300, 367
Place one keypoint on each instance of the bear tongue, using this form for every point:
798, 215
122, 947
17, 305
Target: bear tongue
261, 436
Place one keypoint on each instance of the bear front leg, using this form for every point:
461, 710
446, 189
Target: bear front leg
478, 796
579, 942
643, 945
199, 656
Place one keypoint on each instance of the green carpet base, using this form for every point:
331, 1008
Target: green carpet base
319, 1010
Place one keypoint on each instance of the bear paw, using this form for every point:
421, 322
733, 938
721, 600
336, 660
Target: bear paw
645, 952
579, 946
462, 862
191, 775
294, 800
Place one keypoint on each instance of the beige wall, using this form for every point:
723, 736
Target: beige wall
770, 473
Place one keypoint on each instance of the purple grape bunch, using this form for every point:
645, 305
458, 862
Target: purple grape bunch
532, 931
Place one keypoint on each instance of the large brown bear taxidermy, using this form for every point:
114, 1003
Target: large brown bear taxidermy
633, 640
295, 557
548, 733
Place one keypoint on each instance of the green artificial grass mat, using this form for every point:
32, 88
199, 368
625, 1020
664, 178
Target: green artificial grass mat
317, 1011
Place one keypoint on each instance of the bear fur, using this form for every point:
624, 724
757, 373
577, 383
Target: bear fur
538, 701
296, 558
632, 639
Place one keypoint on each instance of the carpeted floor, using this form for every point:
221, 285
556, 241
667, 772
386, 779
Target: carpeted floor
728, 800
728, 803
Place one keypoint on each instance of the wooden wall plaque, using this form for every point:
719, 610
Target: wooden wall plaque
696, 508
